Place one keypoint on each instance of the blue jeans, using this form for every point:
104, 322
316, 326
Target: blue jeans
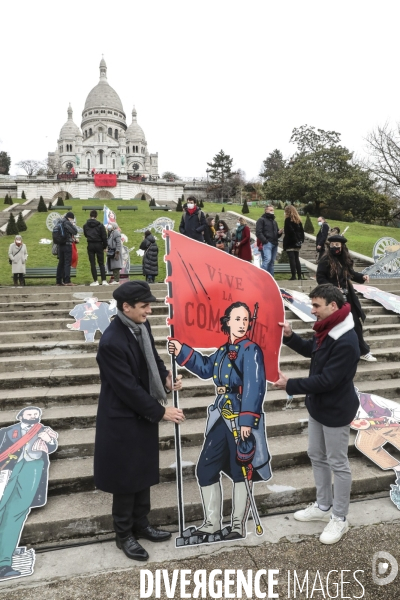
269, 252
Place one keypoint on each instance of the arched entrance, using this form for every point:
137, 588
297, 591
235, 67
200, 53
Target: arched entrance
140, 194
63, 195
103, 195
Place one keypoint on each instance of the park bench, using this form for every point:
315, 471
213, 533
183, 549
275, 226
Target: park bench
92, 207
160, 207
127, 208
61, 207
133, 270
285, 268
44, 272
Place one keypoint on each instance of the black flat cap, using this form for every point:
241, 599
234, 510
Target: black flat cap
134, 291
337, 238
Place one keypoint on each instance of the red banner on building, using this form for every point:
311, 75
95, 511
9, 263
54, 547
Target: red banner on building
107, 180
205, 281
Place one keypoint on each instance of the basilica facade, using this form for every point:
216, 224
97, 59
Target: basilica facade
104, 141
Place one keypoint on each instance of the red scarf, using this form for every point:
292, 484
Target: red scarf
191, 211
322, 328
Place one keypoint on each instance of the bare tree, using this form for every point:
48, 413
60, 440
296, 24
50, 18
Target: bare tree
51, 165
31, 167
383, 145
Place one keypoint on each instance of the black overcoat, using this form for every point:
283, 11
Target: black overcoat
330, 395
126, 447
150, 258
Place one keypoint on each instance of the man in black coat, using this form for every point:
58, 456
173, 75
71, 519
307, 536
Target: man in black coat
63, 276
96, 236
321, 236
268, 233
193, 222
134, 383
332, 403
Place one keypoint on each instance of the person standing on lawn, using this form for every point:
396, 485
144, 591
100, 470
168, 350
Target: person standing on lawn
96, 236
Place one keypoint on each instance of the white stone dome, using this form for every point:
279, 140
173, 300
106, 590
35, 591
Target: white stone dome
69, 129
135, 133
103, 94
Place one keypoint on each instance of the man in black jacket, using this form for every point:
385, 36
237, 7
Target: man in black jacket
193, 222
268, 233
332, 404
96, 235
134, 384
321, 236
63, 276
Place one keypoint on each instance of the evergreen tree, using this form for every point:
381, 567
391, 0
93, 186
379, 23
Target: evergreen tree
179, 207
49, 206
23, 195
5, 162
42, 206
6, 199
216, 220
21, 223
223, 209
143, 197
245, 208
60, 201
67, 196
220, 173
308, 226
201, 203
10, 200
284, 258
12, 228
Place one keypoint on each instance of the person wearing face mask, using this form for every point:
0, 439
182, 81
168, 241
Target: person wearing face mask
268, 233
242, 248
193, 222
321, 236
222, 236
17, 255
63, 276
336, 267
209, 231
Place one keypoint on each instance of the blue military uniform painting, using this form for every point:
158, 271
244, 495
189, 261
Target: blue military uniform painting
237, 370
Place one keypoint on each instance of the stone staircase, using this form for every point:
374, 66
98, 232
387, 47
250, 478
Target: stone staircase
45, 364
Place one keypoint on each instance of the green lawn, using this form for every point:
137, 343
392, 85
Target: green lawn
361, 237
40, 254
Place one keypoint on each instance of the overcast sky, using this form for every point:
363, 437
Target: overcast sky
203, 75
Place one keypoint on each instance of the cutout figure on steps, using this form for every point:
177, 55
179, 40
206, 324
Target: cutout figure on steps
92, 316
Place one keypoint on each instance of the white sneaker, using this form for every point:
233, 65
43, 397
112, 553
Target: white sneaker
95, 283
114, 283
312, 513
104, 283
334, 531
368, 357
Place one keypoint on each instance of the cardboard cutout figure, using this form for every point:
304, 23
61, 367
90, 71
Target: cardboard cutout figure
378, 423
386, 299
24, 469
91, 316
298, 303
228, 304
158, 225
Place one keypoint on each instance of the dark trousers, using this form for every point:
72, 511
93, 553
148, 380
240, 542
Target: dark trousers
218, 454
20, 277
95, 250
294, 261
364, 348
64, 263
130, 512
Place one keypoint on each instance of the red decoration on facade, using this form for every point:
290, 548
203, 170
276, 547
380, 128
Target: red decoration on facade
105, 180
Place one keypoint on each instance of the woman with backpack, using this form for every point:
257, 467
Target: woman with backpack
114, 251
17, 255
150, 257
294, 237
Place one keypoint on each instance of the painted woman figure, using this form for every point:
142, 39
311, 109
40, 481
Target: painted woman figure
237, 369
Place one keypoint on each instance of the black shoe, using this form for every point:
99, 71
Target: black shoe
233, 535
154, 535
292, 278
131, 548
8, 572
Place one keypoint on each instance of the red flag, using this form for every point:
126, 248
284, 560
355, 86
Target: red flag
206, 281
105, 180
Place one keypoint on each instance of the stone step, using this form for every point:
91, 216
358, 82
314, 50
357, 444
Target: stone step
102, 293
67, 305
70, 475
54, 323
87, 514
92, 290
